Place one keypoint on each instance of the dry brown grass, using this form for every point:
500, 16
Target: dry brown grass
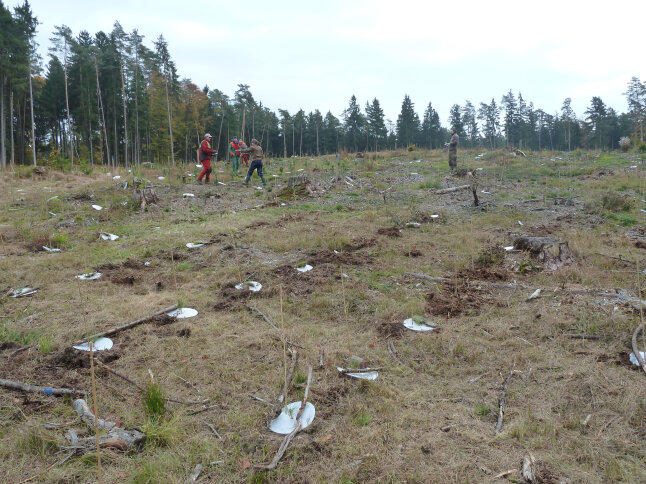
404, 427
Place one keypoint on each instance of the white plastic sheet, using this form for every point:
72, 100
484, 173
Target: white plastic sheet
253, 286
24, 291
50, 249
286, 422
419, 325
633, 358
191, 245
364, 375
106, 236
97, 207
305, 268
90, 276
188, 195
101, 344
183, 313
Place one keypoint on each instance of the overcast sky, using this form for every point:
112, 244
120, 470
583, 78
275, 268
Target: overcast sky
299, 54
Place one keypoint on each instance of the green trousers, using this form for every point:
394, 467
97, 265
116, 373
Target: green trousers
235, 164
453, 160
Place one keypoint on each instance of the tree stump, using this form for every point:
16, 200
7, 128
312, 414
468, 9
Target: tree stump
145, 197
543, 249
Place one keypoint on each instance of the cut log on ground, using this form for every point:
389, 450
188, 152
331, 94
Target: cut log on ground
452, 189
115, 437
501, 404
110, 332
26, 387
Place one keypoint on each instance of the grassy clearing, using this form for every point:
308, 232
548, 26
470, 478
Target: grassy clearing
403, 427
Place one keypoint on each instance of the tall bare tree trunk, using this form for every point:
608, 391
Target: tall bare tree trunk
33, 127
13, 159
67, 107
300, 149
137, 140
3, 129
317, 141
125, 118
170, 124
102, 112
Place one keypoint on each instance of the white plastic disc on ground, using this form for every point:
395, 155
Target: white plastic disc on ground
106, 236
191, 245
633, 358
50, 249
413, 224
24, 291
413, 173
97, 207
116, 177
435, 216
90, 276
199, 166
520, 223
305, 268
258, 188
301, 169
253, 286
220, 183
187, 195
286, 422
283, 204
275, 176
410, 323
508, 248
364, 375
52, 198
147, 263
183, 313
161, 177
101, 344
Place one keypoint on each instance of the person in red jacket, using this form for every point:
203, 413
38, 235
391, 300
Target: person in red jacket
205, 158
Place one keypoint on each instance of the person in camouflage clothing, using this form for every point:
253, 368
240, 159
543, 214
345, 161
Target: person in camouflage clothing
453, 150
256, 155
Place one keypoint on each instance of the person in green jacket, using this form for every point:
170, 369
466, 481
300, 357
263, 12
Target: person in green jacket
234, 150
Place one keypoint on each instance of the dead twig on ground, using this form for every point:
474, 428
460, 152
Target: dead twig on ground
288, 439
452, 189
55, 464
501, 403
141, 389
390, 346
202, 410
582, 336
215, 432
128, 325
26, 387
19, 350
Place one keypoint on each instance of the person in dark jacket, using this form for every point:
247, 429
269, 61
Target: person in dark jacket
205, 157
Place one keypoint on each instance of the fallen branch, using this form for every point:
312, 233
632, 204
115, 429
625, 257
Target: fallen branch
451, 190
202, 410
390, 346
501, 403
636, 352
19, 350
141, 389
288, 439
129, 325
115, 437
215, 432
262, 315
505, 473
582, 336
26, 387
282, 398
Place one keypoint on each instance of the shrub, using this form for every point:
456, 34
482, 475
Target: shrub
624, 143
615, 202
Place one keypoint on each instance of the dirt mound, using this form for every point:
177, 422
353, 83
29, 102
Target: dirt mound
303, 283
393, 329
390, 231
456, 298
444, 304
70, 358
133, 264
412, 253
485, 274
360, 243
162, 320
123, 277
171, 255
230, 296
344, 258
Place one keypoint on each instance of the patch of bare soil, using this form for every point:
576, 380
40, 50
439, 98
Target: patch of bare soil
230, 296
640, 244
162, 320
390, 231
360, 243
123, 277
412, 253
303, 283
171, 255
393, 329
495, 274
70, 358
345, 258
452, 302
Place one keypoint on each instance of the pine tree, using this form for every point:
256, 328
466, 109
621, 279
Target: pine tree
376, 125
353, 123
431, 128
408, 125
636, 97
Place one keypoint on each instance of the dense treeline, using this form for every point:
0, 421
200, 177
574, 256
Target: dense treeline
109, 98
